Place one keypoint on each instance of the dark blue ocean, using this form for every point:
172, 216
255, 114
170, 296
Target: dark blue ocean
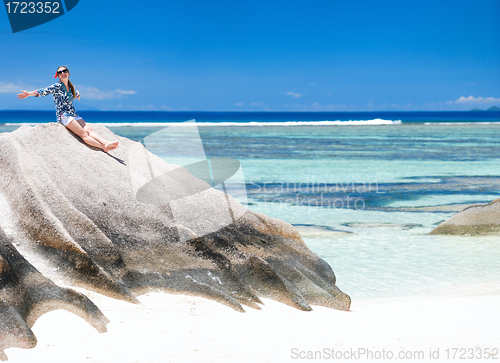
363, 188
246, 117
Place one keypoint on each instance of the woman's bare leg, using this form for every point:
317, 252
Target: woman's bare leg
107, 144
78, 127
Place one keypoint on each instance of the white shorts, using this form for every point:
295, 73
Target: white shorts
65, 119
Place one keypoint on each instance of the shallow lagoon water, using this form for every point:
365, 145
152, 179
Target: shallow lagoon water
389, 170
391, 253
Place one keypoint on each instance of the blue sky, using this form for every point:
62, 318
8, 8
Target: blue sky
241, 55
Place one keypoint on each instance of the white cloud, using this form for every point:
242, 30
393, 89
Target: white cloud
316, 106
474, 100
256, 104
92, 93
123, 92
293, 94
239, 104
11, 88
87, 92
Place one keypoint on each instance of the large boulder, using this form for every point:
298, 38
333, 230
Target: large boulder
483, 219
71, 213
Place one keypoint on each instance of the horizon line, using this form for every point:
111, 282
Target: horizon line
255, 111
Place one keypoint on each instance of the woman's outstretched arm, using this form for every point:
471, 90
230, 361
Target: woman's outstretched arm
39, 93
25, 94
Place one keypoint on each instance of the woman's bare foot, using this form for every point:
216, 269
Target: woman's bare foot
110, 146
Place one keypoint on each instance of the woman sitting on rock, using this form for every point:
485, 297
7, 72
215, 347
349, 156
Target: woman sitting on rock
64, 93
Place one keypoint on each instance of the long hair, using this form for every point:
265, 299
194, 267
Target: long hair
71, 87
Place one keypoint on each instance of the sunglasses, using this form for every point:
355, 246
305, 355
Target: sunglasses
63, 71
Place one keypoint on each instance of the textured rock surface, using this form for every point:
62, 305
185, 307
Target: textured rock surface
475, 220
69, 213
25, 295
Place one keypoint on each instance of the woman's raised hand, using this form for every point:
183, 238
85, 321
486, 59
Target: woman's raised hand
22, 95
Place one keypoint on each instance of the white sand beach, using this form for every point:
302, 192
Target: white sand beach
456, 323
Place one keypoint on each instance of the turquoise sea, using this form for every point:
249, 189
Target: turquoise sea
365, 189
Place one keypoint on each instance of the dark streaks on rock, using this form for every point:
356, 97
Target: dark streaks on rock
25, 295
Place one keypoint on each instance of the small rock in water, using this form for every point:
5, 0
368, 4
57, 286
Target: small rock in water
482, 219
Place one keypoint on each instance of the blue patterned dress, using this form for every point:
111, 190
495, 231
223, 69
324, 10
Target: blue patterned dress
63, 100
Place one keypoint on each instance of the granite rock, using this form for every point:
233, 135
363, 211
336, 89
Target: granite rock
72, 214
483, 219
